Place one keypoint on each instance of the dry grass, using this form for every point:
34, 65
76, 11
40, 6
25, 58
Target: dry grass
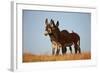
37, 58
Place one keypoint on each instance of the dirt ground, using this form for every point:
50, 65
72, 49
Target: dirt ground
37, 58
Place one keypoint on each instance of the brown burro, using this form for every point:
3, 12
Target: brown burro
61, 39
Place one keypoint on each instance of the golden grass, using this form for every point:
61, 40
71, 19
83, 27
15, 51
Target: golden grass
37, 58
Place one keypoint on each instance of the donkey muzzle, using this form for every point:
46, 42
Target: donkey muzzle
45, 33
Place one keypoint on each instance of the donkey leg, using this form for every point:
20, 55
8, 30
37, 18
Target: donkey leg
78, 46
53, 51
64, 50
54, 47
79, 50
75, 47
57, 52
70, 49
75, 51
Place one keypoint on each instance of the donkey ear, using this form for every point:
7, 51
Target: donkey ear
57, 24
46, 21
52, 23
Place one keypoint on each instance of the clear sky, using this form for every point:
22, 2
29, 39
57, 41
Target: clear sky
33, 24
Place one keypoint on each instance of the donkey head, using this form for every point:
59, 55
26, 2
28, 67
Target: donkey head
51, 27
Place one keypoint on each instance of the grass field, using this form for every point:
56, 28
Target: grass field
37, 58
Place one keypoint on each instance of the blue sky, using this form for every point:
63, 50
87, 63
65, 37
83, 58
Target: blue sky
33, 24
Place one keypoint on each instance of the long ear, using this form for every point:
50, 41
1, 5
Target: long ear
46, 21
52, 23
57, 24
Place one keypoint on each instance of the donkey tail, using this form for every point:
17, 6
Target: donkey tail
78, 43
